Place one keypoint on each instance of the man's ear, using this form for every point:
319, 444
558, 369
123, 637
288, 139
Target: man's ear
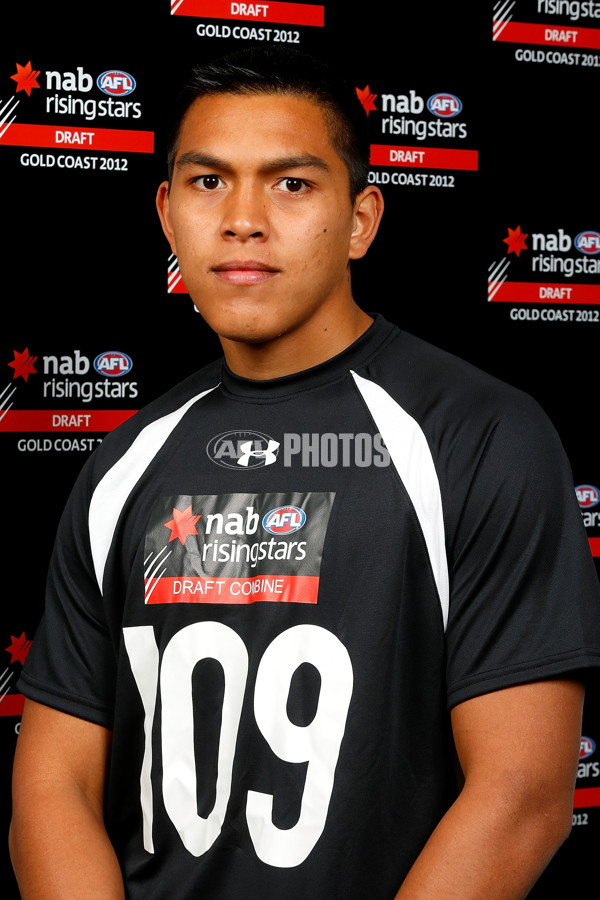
162, 205
368, 210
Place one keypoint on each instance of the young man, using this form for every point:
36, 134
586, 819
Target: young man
271, 585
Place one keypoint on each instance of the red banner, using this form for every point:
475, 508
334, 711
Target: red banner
595, 546
585, 797
424, 157
200, 589
75, 138
554, 36
534, 292
12, 705
64, 419
283, 13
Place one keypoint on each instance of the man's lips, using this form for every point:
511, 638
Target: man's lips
242, 272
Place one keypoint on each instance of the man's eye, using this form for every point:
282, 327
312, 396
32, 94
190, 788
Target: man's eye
292, 185
208, 182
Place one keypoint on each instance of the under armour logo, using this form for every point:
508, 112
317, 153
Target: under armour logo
268, 453
243, 448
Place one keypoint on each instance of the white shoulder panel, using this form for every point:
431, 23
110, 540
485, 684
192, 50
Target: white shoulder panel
113, 490
411, 456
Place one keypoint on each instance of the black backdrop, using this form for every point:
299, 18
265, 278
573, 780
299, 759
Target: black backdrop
481, 117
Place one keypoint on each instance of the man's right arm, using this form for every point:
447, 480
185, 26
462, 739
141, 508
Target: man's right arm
59, 847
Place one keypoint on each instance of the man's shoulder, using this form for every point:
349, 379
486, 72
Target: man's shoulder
161, 413
455, 404
420, 374
180, 394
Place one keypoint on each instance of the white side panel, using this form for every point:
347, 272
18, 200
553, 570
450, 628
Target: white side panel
114, 489
410, 454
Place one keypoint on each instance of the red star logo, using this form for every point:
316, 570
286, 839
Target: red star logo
516, 240
367, 99
25, 77
18, 649
182, 524
23, 364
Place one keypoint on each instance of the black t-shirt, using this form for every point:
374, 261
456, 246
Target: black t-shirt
274, 591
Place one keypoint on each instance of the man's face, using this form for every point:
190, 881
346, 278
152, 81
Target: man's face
259, 214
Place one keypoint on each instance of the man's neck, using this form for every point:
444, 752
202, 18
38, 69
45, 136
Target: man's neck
315, 343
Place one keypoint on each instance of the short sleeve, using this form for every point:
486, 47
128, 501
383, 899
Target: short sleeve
71, 664
524, 594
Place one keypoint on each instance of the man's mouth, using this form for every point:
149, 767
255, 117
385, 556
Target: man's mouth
244, 272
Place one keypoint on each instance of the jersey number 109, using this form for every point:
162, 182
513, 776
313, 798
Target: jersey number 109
317, 743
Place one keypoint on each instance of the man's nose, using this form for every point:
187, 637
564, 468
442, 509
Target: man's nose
245, 214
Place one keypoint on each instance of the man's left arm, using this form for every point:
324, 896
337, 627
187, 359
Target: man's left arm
518, 749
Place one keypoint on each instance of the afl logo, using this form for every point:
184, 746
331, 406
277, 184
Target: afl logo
587, 495
116, 83
586, 747
588, 242
113, 364
445, 106
242, 449
284, 520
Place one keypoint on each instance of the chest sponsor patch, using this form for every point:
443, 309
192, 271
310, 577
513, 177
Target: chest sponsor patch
236, 548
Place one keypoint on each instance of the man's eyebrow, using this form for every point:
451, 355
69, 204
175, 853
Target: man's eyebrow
197, 158
282, 163
306, 160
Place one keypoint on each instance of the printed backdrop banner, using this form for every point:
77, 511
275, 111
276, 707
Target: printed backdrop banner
481, 119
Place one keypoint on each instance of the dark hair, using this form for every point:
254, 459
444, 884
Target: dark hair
256, 70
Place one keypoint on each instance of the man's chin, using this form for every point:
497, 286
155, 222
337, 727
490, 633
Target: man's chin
244, 329
255, 336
